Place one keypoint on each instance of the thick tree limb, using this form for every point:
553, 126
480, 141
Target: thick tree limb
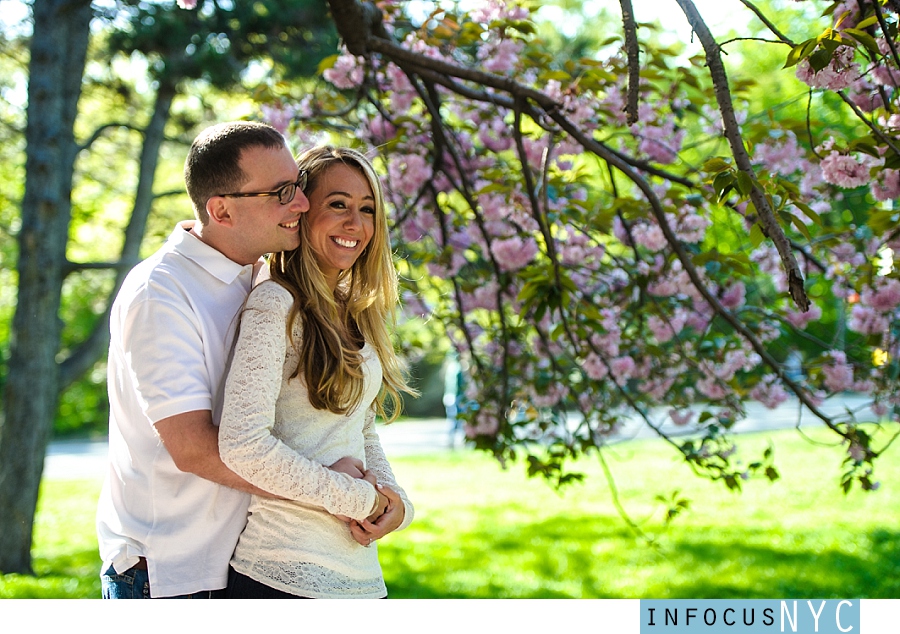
634, 61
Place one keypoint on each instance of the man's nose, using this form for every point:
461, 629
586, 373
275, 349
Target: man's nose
300, 202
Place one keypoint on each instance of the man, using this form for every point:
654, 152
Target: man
170, 511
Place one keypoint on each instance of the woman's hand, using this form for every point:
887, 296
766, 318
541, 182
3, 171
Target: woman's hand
367, 531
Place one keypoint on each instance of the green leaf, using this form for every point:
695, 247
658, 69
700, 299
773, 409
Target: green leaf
812, 215
326, 63
799, 53
744, 183
722, 181
892, 162
819, 60
757, 237
801, 226
869, 21
865, 39
715, 164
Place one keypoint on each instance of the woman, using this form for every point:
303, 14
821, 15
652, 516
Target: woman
312, 366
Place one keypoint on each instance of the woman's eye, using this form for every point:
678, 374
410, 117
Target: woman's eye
368, 210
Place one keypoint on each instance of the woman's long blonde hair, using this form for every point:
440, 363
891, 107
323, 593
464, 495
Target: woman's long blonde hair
334, 325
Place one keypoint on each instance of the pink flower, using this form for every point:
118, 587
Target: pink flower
660, 143
514, 253
409, 173
734, 296
857, 452
711, 388
784, 157
665, 329
887, 185
838, 375
501, 58
484, 296
594, 367
844, 171
769, 392
885, 298
278, 116
662, 288
649, 236
486, 424
866, 321
346, 73
681, 418
187, 4
840, 73
801, 320
622, 369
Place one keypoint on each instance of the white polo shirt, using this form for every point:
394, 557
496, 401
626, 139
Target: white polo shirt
171, 330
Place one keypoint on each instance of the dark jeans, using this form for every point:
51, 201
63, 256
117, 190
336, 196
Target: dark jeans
134, 583
243, 587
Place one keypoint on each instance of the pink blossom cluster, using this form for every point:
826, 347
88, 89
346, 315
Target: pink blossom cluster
844, 170
886, 186
660, 143
838, 373
664, 329
883, 296
769, 392
782, 155
734, 296
346, 73
487, 11
409, 173
514, 253
840, 73
803, 319
501, 57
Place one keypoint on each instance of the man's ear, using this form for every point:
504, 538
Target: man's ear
217, 208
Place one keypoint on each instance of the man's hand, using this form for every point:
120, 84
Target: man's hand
354, 468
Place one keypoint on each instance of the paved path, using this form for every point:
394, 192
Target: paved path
73, 459
87, 459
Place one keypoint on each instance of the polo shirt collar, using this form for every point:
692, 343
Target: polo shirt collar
210, 259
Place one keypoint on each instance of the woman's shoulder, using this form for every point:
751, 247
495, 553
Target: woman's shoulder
270, 295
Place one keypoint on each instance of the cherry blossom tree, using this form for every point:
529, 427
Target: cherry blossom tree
613, 237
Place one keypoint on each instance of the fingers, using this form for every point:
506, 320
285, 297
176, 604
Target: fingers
392, 496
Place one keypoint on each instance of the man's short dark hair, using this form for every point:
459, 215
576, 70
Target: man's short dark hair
213, 166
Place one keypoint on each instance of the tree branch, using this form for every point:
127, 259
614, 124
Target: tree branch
634, 64
742, 160
767, 22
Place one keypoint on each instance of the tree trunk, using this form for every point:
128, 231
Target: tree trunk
91, 349
58, 51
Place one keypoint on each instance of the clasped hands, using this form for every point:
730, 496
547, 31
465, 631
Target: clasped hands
389, 511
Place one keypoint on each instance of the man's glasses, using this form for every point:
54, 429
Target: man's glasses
285, 193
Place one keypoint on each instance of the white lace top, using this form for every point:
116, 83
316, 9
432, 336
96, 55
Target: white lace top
272, 436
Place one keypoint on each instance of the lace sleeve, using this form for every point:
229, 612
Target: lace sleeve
246, 443
377, 463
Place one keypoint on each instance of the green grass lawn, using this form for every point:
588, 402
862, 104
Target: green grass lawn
481, 531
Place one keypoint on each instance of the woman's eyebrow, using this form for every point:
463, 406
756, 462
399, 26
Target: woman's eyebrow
340, 193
